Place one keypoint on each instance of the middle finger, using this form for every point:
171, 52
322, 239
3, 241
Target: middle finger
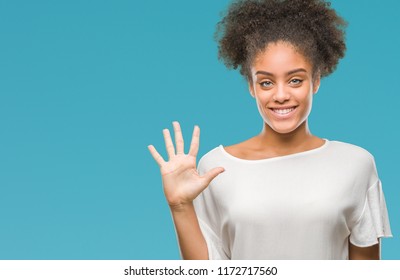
178, 138
168, 143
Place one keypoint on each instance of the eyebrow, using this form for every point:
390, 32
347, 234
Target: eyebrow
287, 74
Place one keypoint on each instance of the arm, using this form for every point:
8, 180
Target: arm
364, 253
182, 184
191, 241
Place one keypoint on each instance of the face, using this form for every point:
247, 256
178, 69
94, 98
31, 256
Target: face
283, 86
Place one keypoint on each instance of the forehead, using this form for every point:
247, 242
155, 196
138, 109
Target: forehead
280, 57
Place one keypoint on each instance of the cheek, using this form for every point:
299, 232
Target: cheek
262, 98
262, 102
308, 100
309, 97
304, 95
262, 105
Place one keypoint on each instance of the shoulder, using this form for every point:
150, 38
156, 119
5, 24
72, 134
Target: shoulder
353, 158
352, 151
211, 157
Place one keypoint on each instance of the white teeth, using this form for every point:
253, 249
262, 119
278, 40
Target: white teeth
283, 111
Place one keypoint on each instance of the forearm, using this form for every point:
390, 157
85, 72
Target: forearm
364, 253
190, 238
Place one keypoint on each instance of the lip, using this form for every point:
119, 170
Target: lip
285, 116
282, 107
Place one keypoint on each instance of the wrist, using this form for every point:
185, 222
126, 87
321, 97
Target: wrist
181, 207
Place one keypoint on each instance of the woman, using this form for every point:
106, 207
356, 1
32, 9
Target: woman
284, 193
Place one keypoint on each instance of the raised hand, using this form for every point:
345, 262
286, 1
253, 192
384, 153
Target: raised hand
181, 182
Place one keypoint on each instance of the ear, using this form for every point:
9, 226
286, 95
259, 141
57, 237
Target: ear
316, 83
251, 88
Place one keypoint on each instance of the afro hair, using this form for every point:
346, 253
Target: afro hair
311, 26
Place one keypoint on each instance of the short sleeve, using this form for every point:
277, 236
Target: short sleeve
214, 243
209, 220
374, 220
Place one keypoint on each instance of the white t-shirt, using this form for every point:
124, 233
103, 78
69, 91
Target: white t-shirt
300, 206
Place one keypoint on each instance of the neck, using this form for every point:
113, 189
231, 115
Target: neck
287, 142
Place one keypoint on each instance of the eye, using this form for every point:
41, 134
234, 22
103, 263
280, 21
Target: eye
296, 81
266, 84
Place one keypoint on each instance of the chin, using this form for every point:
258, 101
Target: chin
283, 129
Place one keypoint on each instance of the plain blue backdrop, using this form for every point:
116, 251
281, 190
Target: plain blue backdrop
85, 86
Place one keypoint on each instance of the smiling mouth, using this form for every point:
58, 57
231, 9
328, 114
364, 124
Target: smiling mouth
283, 111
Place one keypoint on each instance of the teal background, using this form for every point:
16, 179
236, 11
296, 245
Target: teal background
85, 86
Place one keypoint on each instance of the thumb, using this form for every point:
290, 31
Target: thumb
210, 175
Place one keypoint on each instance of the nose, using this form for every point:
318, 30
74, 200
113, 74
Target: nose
281, 94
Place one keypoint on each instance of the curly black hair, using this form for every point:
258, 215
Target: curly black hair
311, 26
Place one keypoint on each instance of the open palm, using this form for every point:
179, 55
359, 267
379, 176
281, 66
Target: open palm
181, 181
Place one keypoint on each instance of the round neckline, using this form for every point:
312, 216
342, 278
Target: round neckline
323, 146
